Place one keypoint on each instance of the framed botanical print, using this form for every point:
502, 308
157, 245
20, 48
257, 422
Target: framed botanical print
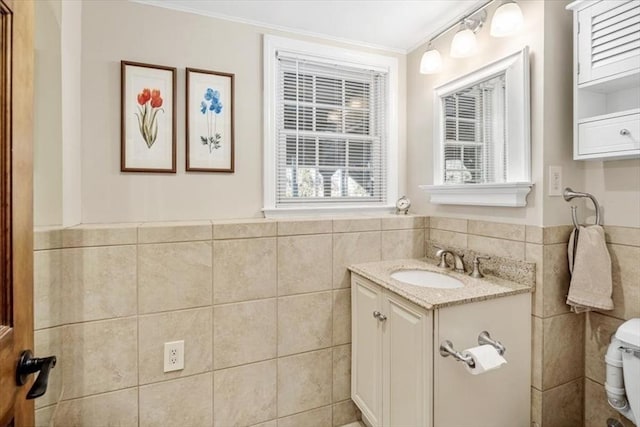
148, 118
210, 121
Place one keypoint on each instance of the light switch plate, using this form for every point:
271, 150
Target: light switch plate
555, 180
173, 356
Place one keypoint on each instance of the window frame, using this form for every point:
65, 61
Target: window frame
333, 55
513, 192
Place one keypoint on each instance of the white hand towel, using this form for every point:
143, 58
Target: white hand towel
590, 265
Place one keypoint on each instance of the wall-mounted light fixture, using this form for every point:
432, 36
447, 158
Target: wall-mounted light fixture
506, 21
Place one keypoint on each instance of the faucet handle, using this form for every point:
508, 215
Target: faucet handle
476, 273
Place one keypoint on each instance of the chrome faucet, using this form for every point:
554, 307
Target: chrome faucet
458, 265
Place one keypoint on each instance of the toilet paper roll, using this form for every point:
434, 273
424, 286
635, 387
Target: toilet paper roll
486, 358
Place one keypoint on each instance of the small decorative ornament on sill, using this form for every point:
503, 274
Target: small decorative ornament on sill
402, 205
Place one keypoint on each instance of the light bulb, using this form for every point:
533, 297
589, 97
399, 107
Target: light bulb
431, 61
463, 44
507, 20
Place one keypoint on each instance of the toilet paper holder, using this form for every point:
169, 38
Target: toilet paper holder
447, 349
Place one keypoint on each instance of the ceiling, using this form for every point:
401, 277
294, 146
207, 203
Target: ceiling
399, 26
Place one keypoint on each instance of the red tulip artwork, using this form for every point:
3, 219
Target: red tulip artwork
149, 105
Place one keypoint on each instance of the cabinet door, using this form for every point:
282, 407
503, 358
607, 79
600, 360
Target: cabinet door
406, 359
608, 39
366, 366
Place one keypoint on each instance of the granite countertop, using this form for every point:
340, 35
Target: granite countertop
489, 287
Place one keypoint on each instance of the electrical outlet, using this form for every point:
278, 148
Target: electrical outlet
555, 180
173, 356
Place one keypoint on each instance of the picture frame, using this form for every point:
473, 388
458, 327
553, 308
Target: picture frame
210, 127
148, 118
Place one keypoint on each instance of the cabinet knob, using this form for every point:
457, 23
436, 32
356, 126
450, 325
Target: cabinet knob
381, 317
625, 132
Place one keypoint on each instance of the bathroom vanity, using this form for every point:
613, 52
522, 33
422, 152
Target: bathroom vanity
399, 377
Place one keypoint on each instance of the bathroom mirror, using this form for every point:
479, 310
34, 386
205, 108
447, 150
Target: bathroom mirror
481, 138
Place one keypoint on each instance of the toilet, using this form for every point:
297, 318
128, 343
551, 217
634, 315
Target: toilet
623, 370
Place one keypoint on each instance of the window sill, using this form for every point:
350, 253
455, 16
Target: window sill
325, 211
513, 194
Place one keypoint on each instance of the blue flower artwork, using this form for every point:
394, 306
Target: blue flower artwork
211, 107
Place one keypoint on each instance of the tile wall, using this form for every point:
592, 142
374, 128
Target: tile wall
263, 308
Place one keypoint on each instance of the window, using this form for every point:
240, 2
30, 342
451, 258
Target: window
328, 139
481, 136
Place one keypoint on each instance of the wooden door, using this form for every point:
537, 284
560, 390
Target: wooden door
16, 206
366, 348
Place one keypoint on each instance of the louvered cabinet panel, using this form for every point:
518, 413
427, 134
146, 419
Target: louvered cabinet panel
608, 40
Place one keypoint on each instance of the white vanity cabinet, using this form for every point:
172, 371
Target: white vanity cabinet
399, 378
391, 357
606, 79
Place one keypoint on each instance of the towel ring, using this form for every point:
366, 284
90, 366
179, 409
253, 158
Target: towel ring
569, 194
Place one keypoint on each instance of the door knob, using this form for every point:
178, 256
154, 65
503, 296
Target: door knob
28, 365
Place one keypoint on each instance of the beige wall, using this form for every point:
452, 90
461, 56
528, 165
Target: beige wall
271, 302
113, 31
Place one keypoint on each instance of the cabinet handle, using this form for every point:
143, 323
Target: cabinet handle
381, 317
625, 132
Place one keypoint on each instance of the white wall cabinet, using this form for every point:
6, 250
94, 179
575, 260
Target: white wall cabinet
606, 79
399, 378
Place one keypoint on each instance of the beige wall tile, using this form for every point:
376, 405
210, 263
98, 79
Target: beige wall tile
563, 349
625, 269
536, 408
448, 238
448, 224
598, 332
596, 407
537, 356
304, 264
98, 283
99, 356
563, 406
304, 226
244, 229
304, 382
341, 316
100, 235
181, 402
401, 222
622, 235
47, 288
43, 416
244, 270
351, 225
345, 413
320, 417
341, 372
271, 423
244, 333
535, 253
167, 232
353, 248
499, 247
48, 342
245, 395
304, 322
119, 408
556, 234
534, 234
497, 229
47, 238
556, 279
173, 276
398, 244
194, 327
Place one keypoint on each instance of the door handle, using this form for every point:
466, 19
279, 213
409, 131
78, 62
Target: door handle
28, 365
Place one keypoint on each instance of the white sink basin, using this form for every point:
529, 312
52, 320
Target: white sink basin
426, 279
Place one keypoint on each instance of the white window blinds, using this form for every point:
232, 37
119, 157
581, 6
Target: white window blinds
474, 139
331, 133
